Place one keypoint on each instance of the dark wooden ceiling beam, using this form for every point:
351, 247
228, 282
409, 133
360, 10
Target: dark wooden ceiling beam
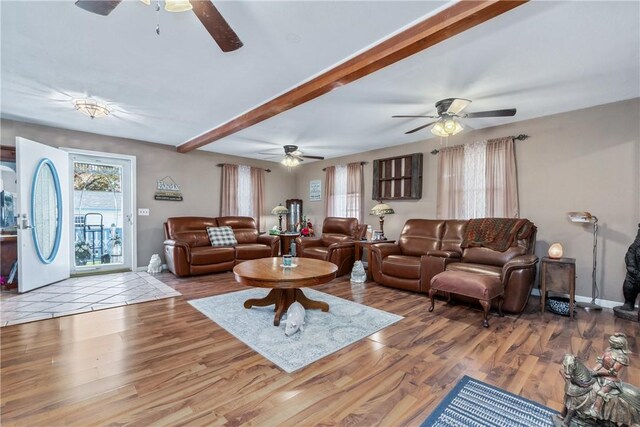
445, 24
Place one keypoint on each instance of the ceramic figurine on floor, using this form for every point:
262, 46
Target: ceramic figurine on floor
598, 397
631, 285
155, 265
295, 319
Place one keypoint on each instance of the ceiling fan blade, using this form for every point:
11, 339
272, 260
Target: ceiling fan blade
408, 117
419, 128
216, 25
314, 157
457, 105
495, 113
100, 7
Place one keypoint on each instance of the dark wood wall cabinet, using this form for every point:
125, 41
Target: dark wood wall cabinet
398, 178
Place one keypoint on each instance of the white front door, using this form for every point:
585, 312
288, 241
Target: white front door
43, 214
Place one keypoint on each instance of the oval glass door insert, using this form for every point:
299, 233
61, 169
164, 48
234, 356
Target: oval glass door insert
46, 211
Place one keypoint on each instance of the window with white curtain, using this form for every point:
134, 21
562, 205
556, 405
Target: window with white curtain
340, 194
344, 188
478, 180
245, 193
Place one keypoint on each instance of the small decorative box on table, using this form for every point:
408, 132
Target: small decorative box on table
558, 275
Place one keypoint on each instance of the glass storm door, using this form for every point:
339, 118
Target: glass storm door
102, 216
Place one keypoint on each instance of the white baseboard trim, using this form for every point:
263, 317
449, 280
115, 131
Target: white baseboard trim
601, 302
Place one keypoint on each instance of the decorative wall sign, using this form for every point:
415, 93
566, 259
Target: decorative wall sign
168, 190
315, 190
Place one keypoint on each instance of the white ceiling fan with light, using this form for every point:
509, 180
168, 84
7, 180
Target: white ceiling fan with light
449, 111
292, 156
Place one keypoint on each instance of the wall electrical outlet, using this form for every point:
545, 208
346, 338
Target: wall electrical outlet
143, 212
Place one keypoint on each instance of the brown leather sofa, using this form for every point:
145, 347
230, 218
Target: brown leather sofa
335, 245
427, 247
188, 251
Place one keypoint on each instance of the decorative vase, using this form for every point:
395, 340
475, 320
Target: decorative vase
358, 275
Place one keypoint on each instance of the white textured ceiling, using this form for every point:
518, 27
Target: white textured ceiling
543, 57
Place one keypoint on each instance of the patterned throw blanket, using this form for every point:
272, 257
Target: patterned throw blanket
496, 233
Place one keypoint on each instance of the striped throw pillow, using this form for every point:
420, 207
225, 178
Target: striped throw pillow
221, 236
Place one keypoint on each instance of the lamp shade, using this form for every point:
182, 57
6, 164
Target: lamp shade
445, 128
382, 209
555, 251
290, 161
580, 216
280, 210
177, 5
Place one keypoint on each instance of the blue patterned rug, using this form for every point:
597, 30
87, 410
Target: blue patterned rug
473, 403
324, 333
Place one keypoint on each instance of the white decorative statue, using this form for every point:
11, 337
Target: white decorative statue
155, 265
295, 319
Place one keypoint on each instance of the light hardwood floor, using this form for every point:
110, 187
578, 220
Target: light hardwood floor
164, 363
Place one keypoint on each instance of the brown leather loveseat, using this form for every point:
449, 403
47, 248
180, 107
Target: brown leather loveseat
427, 247
188, 250
336, 245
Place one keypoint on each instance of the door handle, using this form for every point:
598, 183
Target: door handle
23, 223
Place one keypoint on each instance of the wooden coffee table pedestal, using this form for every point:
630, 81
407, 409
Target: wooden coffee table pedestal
285, 283
283, 298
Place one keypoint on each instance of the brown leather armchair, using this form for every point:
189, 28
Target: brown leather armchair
336, 244
188, 251
427, 247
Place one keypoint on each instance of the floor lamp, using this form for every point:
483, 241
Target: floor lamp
587, 217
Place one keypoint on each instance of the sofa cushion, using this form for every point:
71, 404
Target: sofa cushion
331, 238
489, 270
246, 251
204, 255
406, 267
190, 229
221, 236
244, 227
420, 236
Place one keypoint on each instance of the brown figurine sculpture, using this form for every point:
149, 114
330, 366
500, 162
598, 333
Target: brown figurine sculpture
598, 397
631, 285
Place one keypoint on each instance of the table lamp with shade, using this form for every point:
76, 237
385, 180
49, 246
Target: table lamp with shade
380, 210
279, 210
586, 217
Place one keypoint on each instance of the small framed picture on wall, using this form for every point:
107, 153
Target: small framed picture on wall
315, 190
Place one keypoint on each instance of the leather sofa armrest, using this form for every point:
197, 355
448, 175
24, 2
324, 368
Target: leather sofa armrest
178, 257
178, 243
444, 254
308, 242
383, 250
339, 245
523, 261
272, 241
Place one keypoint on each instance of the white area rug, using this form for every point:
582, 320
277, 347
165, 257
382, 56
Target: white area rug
80, 295
324, 334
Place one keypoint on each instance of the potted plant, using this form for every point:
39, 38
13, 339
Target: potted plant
83, 252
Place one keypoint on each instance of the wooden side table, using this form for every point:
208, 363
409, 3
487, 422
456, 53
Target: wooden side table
558, 275
285, 242
361, 244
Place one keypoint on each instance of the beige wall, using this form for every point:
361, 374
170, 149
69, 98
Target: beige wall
582, 160
196, 173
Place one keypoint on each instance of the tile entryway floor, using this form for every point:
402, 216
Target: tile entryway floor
80, 295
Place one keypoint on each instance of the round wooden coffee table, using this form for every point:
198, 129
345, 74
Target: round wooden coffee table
285, 283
